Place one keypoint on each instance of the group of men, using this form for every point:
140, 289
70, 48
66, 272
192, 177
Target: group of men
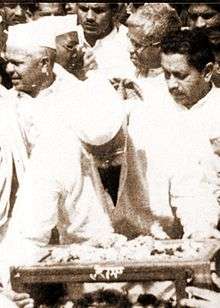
108, 128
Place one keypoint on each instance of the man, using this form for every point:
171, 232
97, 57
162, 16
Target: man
49, 9
33, 71
207, 17
17, 13
69, 53
65, 184
146, 27
100, 143
188, 61
105, 45
70, 8
9, 138
4, 78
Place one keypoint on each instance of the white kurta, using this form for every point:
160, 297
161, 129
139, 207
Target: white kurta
179, 171
111, 53
12, 151
62, 187
204, 116
22, 119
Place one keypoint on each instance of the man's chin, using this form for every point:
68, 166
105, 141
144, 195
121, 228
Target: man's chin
90, 31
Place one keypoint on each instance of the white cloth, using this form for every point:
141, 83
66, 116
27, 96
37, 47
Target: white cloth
152, 89
179, 171
62, 188
204, 116
6, 303
111, 53
31, 35
22, 120
12, 151
33, 112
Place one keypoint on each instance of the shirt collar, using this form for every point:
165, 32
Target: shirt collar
100, 42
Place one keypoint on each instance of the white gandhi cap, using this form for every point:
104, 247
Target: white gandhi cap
31, 36
99, 112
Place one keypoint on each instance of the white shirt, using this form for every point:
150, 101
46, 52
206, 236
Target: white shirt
111, 53
12, 151
179, 171
22, 120
204, 115
33, 112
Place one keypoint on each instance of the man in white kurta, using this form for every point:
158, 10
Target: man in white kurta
146, 27
104, 41
193, 97
25, 108
63, 187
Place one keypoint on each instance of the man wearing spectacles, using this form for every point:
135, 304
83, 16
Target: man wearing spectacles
146, 27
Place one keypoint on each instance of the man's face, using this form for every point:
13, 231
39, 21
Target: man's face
67, 47
26, 73
95, 18
15, 14
144, 49
3, 33
70, 8
202, 15
185, 83
49, 9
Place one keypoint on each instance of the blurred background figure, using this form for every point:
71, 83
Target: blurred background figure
4, 77
49, 9
146, 27
69, 54
207, 16
104, 39
216, 73
17, 13
70, 8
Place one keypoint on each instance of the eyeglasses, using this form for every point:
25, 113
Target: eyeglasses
140, 46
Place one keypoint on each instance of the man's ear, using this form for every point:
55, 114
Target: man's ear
208, 71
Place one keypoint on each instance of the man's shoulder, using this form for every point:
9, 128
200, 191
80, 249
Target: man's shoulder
215, 91
63, 75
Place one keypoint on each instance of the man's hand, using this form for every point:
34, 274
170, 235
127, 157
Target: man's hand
89, 63
208, 299
22, 300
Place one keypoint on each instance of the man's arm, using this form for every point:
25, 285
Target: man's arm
36, 209
192, 195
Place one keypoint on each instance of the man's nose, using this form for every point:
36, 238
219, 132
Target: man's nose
90, 15
200, 22
10, 68
131, 49
172, 83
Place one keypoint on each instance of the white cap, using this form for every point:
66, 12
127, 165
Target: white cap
63, 24
30, 36
99, 112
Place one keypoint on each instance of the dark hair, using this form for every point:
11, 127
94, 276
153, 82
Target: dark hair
192, 43
109, 297
214, 6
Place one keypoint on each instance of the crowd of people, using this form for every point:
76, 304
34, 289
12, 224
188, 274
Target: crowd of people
108, 124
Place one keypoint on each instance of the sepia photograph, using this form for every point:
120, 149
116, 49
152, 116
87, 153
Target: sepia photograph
109, 154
